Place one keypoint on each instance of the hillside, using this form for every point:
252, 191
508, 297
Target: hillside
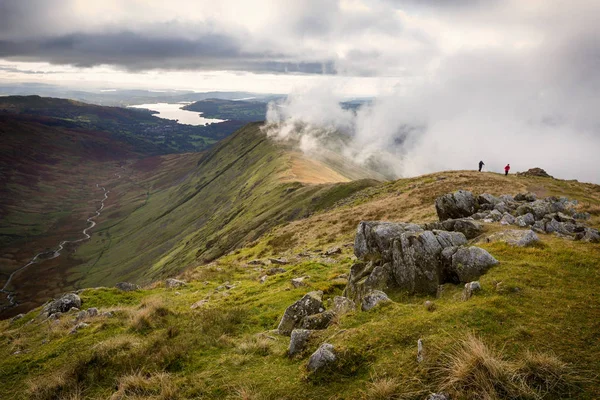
162, 214
531, 332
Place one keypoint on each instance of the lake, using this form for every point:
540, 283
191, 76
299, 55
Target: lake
174, 112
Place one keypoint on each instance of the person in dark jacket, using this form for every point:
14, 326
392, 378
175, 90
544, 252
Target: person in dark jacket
481, 164
506, 169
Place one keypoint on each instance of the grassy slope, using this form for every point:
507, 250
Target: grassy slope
157, 347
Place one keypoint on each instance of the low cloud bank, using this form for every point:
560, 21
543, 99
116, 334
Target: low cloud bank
496, 108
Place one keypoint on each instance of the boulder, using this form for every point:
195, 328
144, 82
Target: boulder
373, 239
63, 304
310, 304
495, 215
455, 205
487, 198
589, 235
467, 226
508, 219
470, 289
502, 207
318, 321
126, 286
515, 237
343, 305
322, 357
526, 197
507, 198
557, 227
373, 298
470, 263
332, 251
174, 283
298, 341
525, 220
299, 282
481, 215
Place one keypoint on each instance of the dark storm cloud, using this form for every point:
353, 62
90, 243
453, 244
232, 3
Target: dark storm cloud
135, 51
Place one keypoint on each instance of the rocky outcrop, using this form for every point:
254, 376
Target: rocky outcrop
514, 237
321, 358
373, 239
310, 304
62, 305
468, 263
467, 226
535, 172
127, 287
459, 204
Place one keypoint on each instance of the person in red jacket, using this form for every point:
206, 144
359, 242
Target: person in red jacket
506, 169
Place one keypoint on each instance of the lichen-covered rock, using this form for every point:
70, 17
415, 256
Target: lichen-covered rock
310, 304
322, 357
373, 298
526, 197
495, 215
487, 198
298, 340
174, 283
590, 235
470, 263
467, 226
63, 304
318, 321
507, 219
299, 282
343, 305
275, 271
79, 326
373, 239
459, 204
525, 220
515, 237
126, 286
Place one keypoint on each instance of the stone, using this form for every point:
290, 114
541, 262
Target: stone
515, 237
420, 352
278, 261
256, 262
174, 283
63, 304
481, 215
263, 279
507, 219
467, 226
487, 198
507, 198
535, 172
373, 240
582, 215
275, 271
127, 287
472, 262
502, 207
79, 326
526, 197
92, 312
199, 304
438, 396
525, 220
591, 236
429, 305
343, 305
310, 304
322, 357
299, 282
470, 289
557, 227
332, 251
373, 298
455, 205
298, 341
318, 321
495, 215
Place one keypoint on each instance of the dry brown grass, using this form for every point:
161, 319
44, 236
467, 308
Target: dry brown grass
144, 317
246, 393
159, 386
382, 389
472, 370
259, 345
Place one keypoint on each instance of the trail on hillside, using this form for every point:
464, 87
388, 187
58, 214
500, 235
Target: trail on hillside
49, 255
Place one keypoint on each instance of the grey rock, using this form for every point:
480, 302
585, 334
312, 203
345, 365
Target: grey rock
278, 261
438, 396
174, 283
539, 227
322, 357
92, 312
199, 304
582, 216
263, 279
275, 271
562, 217
487, 198
108, 314
526, 197
81, 315
481, 215
318, 321
79, 326
373, 298
332, 251
467, 226
55, 315
470, 289
127, 287
63, 304
557, 227
515, 237
298, 282
507, 198
472, 262
256, 262
502, 207
495, 215
455, 205
591, 236
343, 305
373, 240
310, 304
525, 220
298, 341
508, 219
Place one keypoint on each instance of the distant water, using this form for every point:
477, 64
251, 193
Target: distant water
174, 112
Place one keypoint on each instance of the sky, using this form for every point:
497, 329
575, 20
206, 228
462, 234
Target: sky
455, 81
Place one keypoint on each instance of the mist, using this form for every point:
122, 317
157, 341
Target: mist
530, 107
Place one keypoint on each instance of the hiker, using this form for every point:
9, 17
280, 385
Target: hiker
506, 169
481, 164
